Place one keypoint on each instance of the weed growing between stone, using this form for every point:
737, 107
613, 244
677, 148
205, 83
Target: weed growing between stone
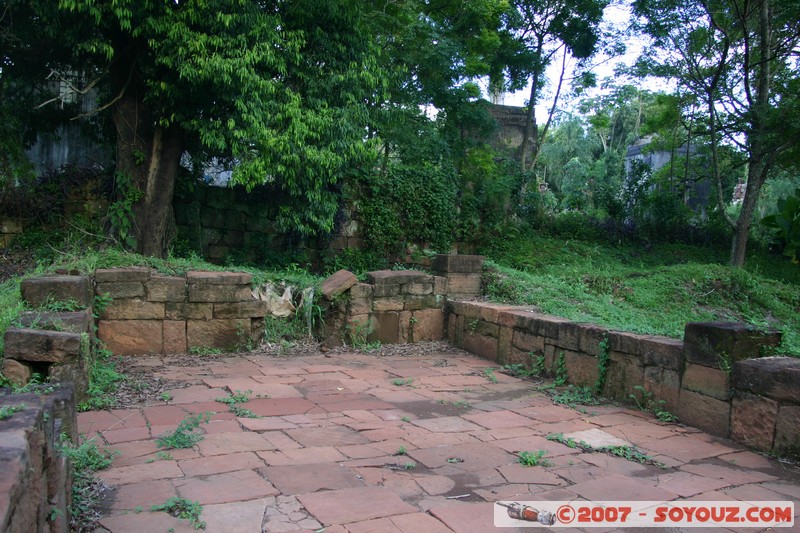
183, 509
645, 401
488, 373
631, 453
104, 381
572, 396
86, 459
187, 434
233, 401
534, 458
400, 382
7, 411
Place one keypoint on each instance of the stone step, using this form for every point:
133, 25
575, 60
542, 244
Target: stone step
71, 321
40, 291
38, 345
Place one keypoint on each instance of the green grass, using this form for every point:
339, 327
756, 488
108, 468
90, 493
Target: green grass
652, 292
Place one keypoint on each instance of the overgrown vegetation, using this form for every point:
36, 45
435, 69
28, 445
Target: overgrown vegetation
630, 453
186, 435
654, 290
86, 459
183, 509
534, 458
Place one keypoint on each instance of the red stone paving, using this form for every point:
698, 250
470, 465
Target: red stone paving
323, 453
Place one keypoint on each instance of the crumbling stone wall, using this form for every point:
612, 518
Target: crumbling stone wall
152, 314
35, 479
715, 379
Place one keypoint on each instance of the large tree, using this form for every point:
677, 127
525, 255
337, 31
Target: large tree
280, 89
740, 59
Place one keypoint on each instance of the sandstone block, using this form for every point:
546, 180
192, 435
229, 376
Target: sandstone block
428, 325
429, 301
439, 285
753, 420
40, 290
491, 312
623, 374
457, 263
397, 277
121, 289
166, 289
224, 334
338, 283
404, 327
590, 337
481, 345
189, 311
787, 430
382, 291
175, 336
37, 345
218, 293
463, 284
386, 327
133, 309
719, 344
74, 372
568, 336
132, 337
74, 321
417, 289
663, 384
113, 275
388, 304
468, 310
706, 380
251, 309
17, 372
360, 306
704, 412
775, 377
527, 342
581, 369
219, 278
504, 337
361, 290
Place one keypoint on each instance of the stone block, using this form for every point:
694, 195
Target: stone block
166, 289
428, 325
405, 327
467, 310
37, 345
113, 275
233, 238
457, 263
706, 380
74, 321
527, 342
787, 429
568, 336
623, 374
251, 309
590, 337
388, 304
382, 291
581, 368
452, 321
504, 337
463, 284
386, 327
704, 412
481, 327
417, 289
189, 311
338, 283
133, 309
360, 306
719, 344
217, 253
40, 290
175, 340
219, 278
132, 337
491, 312
439, 285
775, 377
664, 384
121, 289
17, 372
361, 290
753, 420
662, 351
429, 301
397, 277
223, 334
480, 345
74, 372
205, 293
516, 318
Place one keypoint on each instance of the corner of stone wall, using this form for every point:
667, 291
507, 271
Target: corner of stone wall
36, 478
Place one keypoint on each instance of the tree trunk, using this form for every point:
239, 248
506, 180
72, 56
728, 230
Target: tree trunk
530, 132
148, 157
755, 177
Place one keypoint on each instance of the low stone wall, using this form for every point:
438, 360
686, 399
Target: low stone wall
35, 480
397, 306
713, 379
151, 313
